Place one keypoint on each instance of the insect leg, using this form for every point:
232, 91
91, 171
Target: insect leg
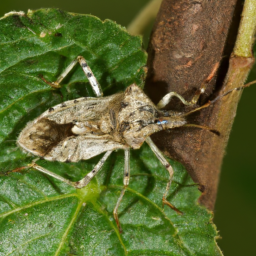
126, 183
203, 86
56, 84
168, 167
88, 72
65, 73
167, 98
83, 182
77, 184
54, 175
92, 79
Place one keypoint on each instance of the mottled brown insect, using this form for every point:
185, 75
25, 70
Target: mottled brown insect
85, 127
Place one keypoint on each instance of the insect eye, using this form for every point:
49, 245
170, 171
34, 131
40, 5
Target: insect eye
161, 122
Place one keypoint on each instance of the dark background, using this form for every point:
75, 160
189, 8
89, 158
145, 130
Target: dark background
235, 210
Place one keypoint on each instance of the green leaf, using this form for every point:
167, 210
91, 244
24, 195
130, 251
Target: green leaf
43, 216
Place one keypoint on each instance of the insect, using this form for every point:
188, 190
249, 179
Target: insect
86, 127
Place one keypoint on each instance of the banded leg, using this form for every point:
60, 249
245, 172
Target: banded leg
168, 167
88, 72
167, 98
83, 182
76, 184
92, 79
126, 183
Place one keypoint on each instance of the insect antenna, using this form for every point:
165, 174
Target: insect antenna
235, 89
218, 98
203, 127
211, 102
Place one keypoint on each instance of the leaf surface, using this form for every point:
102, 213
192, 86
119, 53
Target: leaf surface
43, 216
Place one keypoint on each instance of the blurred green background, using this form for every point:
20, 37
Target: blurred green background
235, 212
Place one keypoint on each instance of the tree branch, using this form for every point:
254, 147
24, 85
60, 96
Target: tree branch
188, 39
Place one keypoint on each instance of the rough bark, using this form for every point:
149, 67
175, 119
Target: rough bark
188, 39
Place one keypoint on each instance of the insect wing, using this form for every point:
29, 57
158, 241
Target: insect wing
52, 131
81, 109
76, 148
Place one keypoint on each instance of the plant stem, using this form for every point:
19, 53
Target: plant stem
141, 21
246, 33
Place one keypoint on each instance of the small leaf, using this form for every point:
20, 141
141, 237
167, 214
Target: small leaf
43, 216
